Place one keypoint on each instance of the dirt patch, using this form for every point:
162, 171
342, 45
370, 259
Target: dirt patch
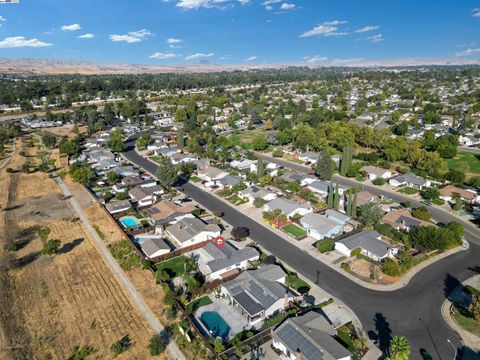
66, 130
50, 305
363, 269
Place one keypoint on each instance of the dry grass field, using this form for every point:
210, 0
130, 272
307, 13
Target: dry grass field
50, 305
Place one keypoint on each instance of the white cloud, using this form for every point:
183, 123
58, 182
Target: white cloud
476, 12
328, 28
342, 61
132, 36
20, 41
173, 41
161, 56
268, 8
287, 6
86, 36
72, 27
208, 4
468, 52
251, 58
269, 2
367, 28
2, 18
198, 56
314, 59
375, 38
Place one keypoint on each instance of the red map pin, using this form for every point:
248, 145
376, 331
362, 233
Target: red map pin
219, 241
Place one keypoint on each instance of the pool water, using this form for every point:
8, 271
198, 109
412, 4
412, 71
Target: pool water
128, 221
215, 324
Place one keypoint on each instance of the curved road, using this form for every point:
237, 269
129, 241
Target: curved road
413, 311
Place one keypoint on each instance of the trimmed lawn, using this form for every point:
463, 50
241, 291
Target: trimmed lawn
465, 162
438, 202
176, 266
195, 179
235, 200
297, 284
466, 323
295, 230
155, 158
409, 191
197, 304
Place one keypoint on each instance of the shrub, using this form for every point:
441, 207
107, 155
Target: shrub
325, 245
379, 181
218, 213
345, 266
355, 252
158, 344
51, 247
391, 268
277, 153
121, 345
10, 170
422, 213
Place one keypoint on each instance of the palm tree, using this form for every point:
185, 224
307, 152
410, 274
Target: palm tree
400, 348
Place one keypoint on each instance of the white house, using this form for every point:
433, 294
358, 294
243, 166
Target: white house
191, 231
409, 179
152, 245
256, 192
374, 172
288, 207
370, 243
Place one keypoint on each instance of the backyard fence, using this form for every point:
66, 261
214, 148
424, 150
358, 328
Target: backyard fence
179, 252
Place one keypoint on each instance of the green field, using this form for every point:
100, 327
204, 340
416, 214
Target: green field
176, 266
295, 231
465, 162
467, 323
297, 284
409, 191
197, 304
245, 138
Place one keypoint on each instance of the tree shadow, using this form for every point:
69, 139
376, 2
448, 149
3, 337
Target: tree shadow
25, 236
13, 207
425, 354
28, 259
70, 246
475, 269
466, 353
450, 283
383, 333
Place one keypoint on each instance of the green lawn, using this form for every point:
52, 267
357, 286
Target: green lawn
295, 230
467, 323
176, 266
438, 202
234, 199
155, 158
297, 284
195, 179
245, 138
197, 304
409, 191
465, 162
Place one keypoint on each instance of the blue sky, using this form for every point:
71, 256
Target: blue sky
241, 31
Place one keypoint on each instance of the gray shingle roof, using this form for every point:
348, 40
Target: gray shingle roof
319, 222
286, 205
410, 178
118, 205
151, 246
227, 255
187, 228
368, 240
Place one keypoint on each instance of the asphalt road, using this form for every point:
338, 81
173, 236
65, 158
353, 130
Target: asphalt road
413, 311
473, 150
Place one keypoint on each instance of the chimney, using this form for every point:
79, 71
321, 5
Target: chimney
298, 355
389, 252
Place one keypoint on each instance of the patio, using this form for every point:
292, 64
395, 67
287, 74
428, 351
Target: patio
232, 315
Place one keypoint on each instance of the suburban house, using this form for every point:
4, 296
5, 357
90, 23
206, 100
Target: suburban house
309, 157
288, 207
304, 180
449, 192
167, 152
374, 172
308, 337
254, 192
179, 158
320, 187
409, 179
260, 293
468, 140
346, 221
246, 165
228, 181
210, 174
364, 197
124, 171
370, 243
216, 263
166, 212
145, 196
319, 226
118, 207
153, 246
402, 219
191, 231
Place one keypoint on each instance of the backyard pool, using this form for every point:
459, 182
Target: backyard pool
215, 324
129, 221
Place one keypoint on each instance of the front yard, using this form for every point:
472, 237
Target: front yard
409, 191
294, 230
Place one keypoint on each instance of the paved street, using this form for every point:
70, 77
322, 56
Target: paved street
413, 311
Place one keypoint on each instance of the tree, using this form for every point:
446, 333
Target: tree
324, 166
422, 213
49, 140
51, 247
336, 198
455, 176
218, 346
112, 177
474, 308
239, 232
116, 142
81, 174
399, 348
370, 213
121, 345
161, 276
69, 147
346, 161
167, 173
260, 169
330, 196
181, 138
259, 142
430, 193
158, 344
144, 140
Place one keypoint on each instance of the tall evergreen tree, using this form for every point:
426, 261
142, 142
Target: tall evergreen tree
181, 137
348, 208
343, 162
354, 206
324, 166
260, 169
330, 196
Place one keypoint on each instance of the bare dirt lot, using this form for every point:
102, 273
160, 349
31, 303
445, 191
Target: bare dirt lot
49, 305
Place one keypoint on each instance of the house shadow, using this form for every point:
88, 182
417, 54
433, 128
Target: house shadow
425, 354
28, 259
475, 269
450, 284
70, 246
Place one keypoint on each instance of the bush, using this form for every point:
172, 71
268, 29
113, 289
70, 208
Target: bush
277, 153
345, 266
218, 213
422, 213
10, 170
121, 345
158, 344
379, 181
355, 252
391, 268
325, 245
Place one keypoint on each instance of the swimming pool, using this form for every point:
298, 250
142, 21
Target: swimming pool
129, 221
215, 324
